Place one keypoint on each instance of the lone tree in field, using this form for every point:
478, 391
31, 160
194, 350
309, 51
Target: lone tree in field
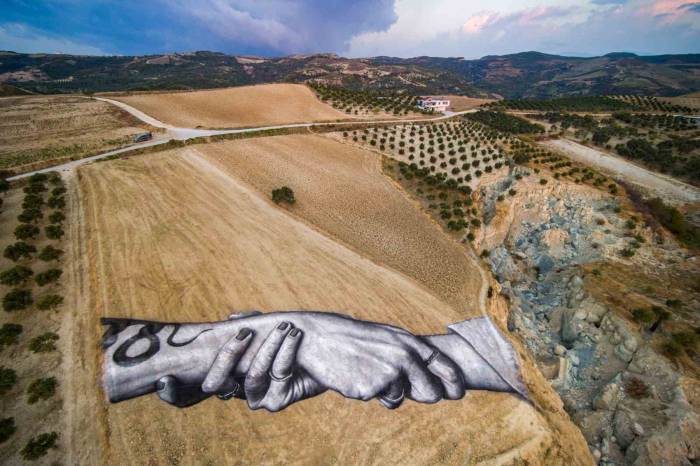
283, 194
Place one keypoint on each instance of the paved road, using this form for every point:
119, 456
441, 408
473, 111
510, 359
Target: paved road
661, 185
182, 134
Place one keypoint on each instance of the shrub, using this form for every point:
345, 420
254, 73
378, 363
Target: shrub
636, 388
688, 340
50, 253
30, 214
41, 389
512, 192
56, 202
672, 348
8, 379
16, 300
16, 275
19, 250
9, 334
54, 231
39, 446
44, 343
4, 185
34, 188
26, 231
627, 252
283, 194
7, 428
49, 301
58, 190
32, 201
543, 181
57, 217
38, 178
49, 276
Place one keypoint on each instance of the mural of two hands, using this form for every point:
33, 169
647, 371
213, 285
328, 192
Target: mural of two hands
275, 360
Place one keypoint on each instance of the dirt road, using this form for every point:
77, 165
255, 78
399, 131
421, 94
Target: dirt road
656, 184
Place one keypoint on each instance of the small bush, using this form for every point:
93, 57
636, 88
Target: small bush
9, 334
54, 231
41, 389
512, 192
19, 250
543, 181
16, 300
4, 185
645, 316
44, 343
29, 215
283, 194
39, 446
56, 202
636, 388
34, 188
50, 301
38, 178
16, 275
8, 379
7, 428
26, 231
50, 276
57, 217
58, 190
32, 201
627, 252
50, 253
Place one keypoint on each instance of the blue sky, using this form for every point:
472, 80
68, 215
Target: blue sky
355, 28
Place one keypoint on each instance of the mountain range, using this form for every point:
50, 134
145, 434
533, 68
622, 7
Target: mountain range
521, 75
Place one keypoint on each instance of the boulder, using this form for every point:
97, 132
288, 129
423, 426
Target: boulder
571, 327
608, 397
623, 428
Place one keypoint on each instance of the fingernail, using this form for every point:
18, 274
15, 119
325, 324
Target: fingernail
160, 385
243, 333
283, 326
295, 332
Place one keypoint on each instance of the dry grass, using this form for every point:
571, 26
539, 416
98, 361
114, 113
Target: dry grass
235, 107
47, 130
204, 242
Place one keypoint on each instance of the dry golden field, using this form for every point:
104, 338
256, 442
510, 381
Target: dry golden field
262, 105
38, 131
460, 103
191, 235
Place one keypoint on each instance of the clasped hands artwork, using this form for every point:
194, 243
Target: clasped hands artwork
277, 359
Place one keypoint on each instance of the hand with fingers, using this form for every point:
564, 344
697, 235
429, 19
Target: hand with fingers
303, 355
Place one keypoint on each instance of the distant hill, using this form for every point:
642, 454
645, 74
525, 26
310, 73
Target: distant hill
521, 75
538, 75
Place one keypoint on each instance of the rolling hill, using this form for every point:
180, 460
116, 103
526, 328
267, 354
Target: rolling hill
521, 75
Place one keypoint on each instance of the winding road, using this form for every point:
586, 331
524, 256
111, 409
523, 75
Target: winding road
183, 134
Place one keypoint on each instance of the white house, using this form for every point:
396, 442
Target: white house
436, 104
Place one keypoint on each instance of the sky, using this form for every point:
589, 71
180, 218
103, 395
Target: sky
351, 28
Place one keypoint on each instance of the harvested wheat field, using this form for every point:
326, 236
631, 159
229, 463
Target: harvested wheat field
235, 107
38, 131
185, 235
341, 190
459, 103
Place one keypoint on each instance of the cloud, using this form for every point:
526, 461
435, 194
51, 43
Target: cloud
591, 27
20, 37
288, 27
